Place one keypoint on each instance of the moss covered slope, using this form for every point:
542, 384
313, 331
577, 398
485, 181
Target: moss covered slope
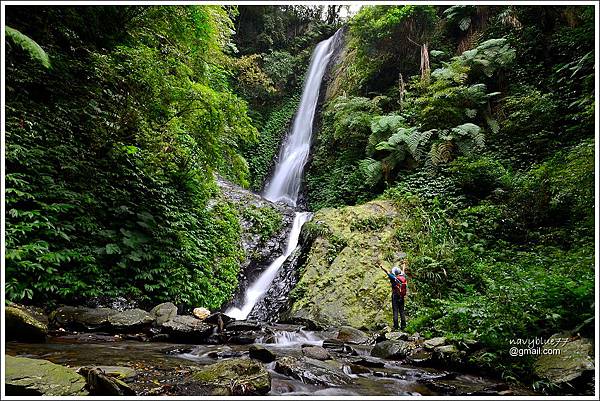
340, 283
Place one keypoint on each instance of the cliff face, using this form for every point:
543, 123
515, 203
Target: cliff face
264, 226
340, 282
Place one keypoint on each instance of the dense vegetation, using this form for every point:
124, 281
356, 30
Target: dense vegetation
479, 125
117, 119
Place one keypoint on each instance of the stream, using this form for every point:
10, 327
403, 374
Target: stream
161, 368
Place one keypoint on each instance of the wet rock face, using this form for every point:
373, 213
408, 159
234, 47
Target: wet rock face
25, 376
276, 299
260, 251
342, 246
572, 367
232, 377
24, 325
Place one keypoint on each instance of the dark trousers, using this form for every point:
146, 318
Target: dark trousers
398, 306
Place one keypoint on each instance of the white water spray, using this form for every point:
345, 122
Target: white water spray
285, 184
260, 286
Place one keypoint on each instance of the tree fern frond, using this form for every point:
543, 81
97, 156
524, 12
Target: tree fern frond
372, 170
28, 45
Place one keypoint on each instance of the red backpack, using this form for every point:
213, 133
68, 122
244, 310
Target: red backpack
400, 285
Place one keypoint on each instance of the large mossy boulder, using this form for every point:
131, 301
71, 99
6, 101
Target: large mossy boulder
31, 377
572, 366
164, 312
341, 283
24, 325
234, 377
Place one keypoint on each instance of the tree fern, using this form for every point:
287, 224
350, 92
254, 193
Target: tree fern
372, 170
28, 45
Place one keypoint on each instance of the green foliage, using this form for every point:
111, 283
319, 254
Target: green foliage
28, 45
108, 184
531, 111
488, 57
265, 221
263, 153
489, 160
460, 16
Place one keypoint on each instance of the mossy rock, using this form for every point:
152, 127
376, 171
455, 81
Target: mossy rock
21, 325
574, 360
26, 376
340, 283
235, 377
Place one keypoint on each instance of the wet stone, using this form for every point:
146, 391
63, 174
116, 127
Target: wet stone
316, 352
261, 353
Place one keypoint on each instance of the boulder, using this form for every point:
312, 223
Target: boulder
82, 318
100, 383
316, 352
333, 343
164, 312
391, 349
118, 372
311, 371
243, 325
234, 377
187, 329
420, 356
218, 319
351, 335
368, 361
448, 354
201, 313
358, 369
261, 353
396, 335
33, 377
434, 342
130, 318
342, 243
24, 326
573, 365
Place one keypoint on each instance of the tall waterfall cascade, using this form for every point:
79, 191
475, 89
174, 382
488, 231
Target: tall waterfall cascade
285, 183
284, 186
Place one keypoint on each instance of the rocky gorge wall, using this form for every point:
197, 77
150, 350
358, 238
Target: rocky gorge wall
340, 282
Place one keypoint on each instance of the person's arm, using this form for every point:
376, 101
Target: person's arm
383, 269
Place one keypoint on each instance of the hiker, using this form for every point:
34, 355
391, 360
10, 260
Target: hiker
398, 281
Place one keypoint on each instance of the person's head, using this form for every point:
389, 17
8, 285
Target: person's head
396, 271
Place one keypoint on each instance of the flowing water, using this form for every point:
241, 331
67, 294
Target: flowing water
261, 285
285, 183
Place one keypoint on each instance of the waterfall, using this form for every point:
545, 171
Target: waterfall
285, 184
261, 285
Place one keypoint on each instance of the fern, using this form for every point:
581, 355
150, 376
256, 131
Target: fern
372, 170
28, 45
